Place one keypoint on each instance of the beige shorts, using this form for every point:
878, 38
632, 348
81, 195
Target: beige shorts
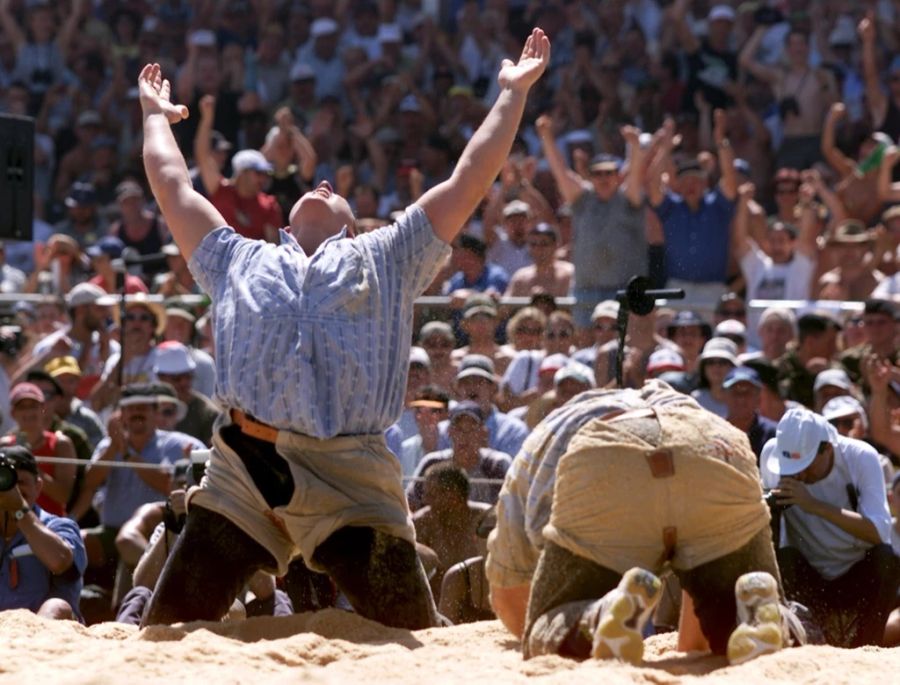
608, 506
338, 482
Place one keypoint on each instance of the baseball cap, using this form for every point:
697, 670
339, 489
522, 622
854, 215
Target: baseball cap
879, 306
664, 359
323, 26
138, 393
605, 162
173, 358
88, 293
478, 303
218, 142
109, 245
250, 160
720, 348
476, 365
552, 363
543, 228
605, 309
685, 318
844, 406
798, 436
60, 366
689, 166
25, 391
89, 117
836, 377
418, 355
731, 328
576, 371
81, 194
721, 13
742, 166
441, 328
741, 374
180, 313
164, 393
515, 208
128, 189
302, 72
467, 408
817, 322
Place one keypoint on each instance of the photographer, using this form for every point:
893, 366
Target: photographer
835, 555
11, 342
42, 558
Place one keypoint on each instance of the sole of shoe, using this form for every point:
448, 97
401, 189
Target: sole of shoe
619, 635
759, 631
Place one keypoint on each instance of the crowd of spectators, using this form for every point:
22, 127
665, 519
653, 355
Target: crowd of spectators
744, 151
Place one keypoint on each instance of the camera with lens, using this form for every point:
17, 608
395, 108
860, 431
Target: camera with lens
8, 475
775, 506
11, 340
788, 106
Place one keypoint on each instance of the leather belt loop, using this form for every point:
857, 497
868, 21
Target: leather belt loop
661, 463
255, 429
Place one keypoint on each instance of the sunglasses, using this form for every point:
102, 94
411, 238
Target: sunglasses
604, 327
718, 362
529, 330
147, 318
562, 335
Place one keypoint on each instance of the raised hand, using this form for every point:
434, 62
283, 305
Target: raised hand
535, 57
208, 108
720, 126
866, 28
544, 125
746, 192
155, 94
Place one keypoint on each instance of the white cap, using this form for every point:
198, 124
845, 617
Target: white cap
720, 348
390, 33
844, 406
606, 309
721, 12
575, 371
88, 293
323, 26
302, 72
173, 358
418, 355
250, 160
798, 436
664, 359
516, 207
730, 327
836, 377
553, 362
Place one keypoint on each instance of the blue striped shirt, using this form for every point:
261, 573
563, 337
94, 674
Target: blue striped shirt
317, 345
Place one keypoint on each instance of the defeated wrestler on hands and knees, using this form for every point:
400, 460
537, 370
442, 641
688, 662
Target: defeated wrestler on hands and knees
312, 341
607, 490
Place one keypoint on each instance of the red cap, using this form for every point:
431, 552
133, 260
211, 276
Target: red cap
25, 391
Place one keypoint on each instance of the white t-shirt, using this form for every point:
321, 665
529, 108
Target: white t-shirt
769, 281
889, 288
522, 373
829, 549
509, 256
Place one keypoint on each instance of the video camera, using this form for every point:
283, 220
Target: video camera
11, 340
8, 475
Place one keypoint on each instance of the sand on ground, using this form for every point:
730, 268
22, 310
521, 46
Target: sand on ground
337, 647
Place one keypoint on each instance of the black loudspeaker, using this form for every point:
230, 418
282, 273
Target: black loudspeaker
16, 177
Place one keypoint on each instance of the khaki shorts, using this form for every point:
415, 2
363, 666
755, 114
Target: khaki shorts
705, 501
338, 482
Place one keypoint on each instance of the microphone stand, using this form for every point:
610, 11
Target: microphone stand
640, 299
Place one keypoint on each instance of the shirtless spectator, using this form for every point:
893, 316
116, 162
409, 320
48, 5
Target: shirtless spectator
804, 94
139, 227
447, 523
241, 199
479, 323
547, 274
855, 275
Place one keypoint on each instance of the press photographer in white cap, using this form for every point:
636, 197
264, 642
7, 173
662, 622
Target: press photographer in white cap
834, 554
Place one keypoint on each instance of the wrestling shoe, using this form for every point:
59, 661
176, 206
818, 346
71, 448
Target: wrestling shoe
760, 623
624, 613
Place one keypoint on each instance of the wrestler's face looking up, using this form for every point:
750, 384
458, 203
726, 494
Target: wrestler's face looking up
320, 214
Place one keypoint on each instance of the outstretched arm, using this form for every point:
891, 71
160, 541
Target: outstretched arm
189, 215
449, 204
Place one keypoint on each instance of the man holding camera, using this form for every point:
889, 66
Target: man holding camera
835, 555
42, 557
